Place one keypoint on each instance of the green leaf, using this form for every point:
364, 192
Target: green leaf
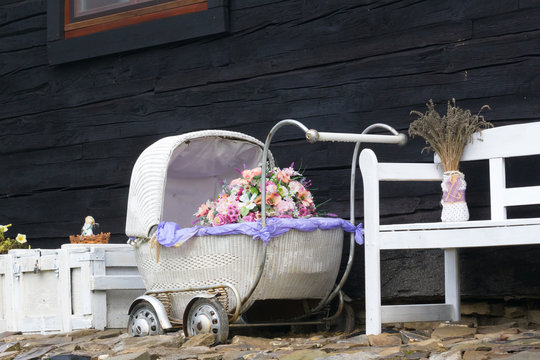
244, 211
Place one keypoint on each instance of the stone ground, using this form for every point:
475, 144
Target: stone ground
414, 341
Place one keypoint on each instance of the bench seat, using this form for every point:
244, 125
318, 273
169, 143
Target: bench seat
449, 235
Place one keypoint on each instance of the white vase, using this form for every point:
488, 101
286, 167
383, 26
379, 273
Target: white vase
454, 205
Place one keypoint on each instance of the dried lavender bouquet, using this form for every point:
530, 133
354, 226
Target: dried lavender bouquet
448, 135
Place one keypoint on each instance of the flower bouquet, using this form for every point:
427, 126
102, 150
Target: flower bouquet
447, 137
287, 196
7, 244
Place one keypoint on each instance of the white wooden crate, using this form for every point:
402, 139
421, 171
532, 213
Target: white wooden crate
32, 291
99, 282
75, 287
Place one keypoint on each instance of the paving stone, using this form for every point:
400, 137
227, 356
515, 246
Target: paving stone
526, 355
422, 325
429, 345
200, 340
452, 332
210, 357
154, 341
417, 355
305, 355
6, 334
236, 355
409, 336
497, 328
194, 350
360, 340
82, 333
34, 353
10, 355
69, 357
108, 333
252, 342
142, 355
475, 355
384, 340
260, 355
10, 346
449, 355
354, 356
395, 350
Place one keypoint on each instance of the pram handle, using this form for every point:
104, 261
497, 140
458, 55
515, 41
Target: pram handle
313, 136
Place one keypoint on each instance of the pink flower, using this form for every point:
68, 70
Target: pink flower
220, 219
203, 210
285, 206
238, 182
273, 199
283, 176
270, 187
250, 174
295, 187
233, 213
305, 197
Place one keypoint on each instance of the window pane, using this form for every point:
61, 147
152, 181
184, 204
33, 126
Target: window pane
88, 7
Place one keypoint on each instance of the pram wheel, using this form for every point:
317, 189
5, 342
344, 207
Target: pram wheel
207, 316
143, 321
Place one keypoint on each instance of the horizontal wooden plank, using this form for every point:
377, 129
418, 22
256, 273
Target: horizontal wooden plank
461, 237
409, 172
425, 312
116, 282
527, 195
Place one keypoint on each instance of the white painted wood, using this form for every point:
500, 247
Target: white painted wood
99, 298
459, 225
497, 185
422, 312
116, 282
527, 195
496, 145
458, 238
451, 283
64, 290
504, 141
368, 162
409, 172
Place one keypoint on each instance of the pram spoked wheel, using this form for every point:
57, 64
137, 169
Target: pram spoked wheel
143, 321
207, 316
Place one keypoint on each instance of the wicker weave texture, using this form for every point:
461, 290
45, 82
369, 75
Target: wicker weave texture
149, 177
298, 265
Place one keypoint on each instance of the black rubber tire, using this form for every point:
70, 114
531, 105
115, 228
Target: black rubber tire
143, 313
207, 316
346, 321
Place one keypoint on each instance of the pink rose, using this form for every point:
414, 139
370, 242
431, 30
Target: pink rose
203, 210
220, 219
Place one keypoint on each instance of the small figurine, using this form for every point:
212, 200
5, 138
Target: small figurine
89, 226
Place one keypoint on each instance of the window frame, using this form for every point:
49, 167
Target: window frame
186, 26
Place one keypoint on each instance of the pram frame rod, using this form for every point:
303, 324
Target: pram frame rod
313, 136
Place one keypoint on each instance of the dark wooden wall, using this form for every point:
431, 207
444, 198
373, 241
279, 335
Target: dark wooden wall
70, 134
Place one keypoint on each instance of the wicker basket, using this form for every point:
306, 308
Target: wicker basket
102, 238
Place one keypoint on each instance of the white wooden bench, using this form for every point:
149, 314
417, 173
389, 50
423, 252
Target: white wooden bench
496, 145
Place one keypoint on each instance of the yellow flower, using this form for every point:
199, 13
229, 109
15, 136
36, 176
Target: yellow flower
21, 238
4, 228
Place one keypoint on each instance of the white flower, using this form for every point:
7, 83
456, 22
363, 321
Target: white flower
21, 238
246, 203
4, 228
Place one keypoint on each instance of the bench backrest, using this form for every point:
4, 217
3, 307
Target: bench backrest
494, 145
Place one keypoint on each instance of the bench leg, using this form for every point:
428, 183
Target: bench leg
451, 282
373, 288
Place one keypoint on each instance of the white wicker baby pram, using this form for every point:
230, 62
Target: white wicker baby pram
208, 282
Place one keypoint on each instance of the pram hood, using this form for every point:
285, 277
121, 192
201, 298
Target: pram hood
176, 174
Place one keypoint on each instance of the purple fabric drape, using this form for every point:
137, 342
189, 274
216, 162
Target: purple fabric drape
170, 234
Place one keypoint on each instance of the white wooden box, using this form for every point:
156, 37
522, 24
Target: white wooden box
99, 282
31, 290
75, 287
